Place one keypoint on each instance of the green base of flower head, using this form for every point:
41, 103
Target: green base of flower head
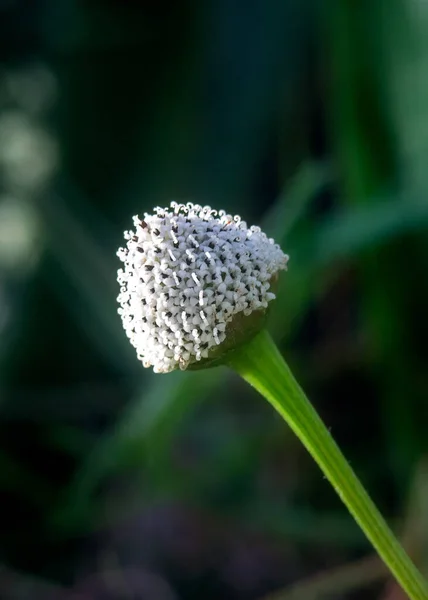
239, 332
260, 364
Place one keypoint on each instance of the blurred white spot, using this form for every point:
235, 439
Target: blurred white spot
33, 88
19, 237
28, 154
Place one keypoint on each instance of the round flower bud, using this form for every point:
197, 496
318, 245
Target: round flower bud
195, 284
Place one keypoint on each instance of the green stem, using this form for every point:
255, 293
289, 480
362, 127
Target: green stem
260, 364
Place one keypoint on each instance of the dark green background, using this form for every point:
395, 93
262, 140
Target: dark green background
309, 118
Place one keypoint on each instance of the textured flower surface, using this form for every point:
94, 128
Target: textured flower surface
188, 271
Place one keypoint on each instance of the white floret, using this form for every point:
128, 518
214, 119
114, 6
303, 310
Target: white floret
188, 270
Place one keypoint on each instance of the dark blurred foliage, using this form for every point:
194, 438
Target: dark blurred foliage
308, 118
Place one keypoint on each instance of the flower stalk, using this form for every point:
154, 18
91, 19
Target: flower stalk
262, 366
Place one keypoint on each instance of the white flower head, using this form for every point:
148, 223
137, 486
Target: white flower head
188, 272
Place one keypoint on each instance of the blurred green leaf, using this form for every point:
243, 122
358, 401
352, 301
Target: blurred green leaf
348, 233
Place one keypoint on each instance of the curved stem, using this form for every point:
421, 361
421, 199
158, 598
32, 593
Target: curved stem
260, 364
